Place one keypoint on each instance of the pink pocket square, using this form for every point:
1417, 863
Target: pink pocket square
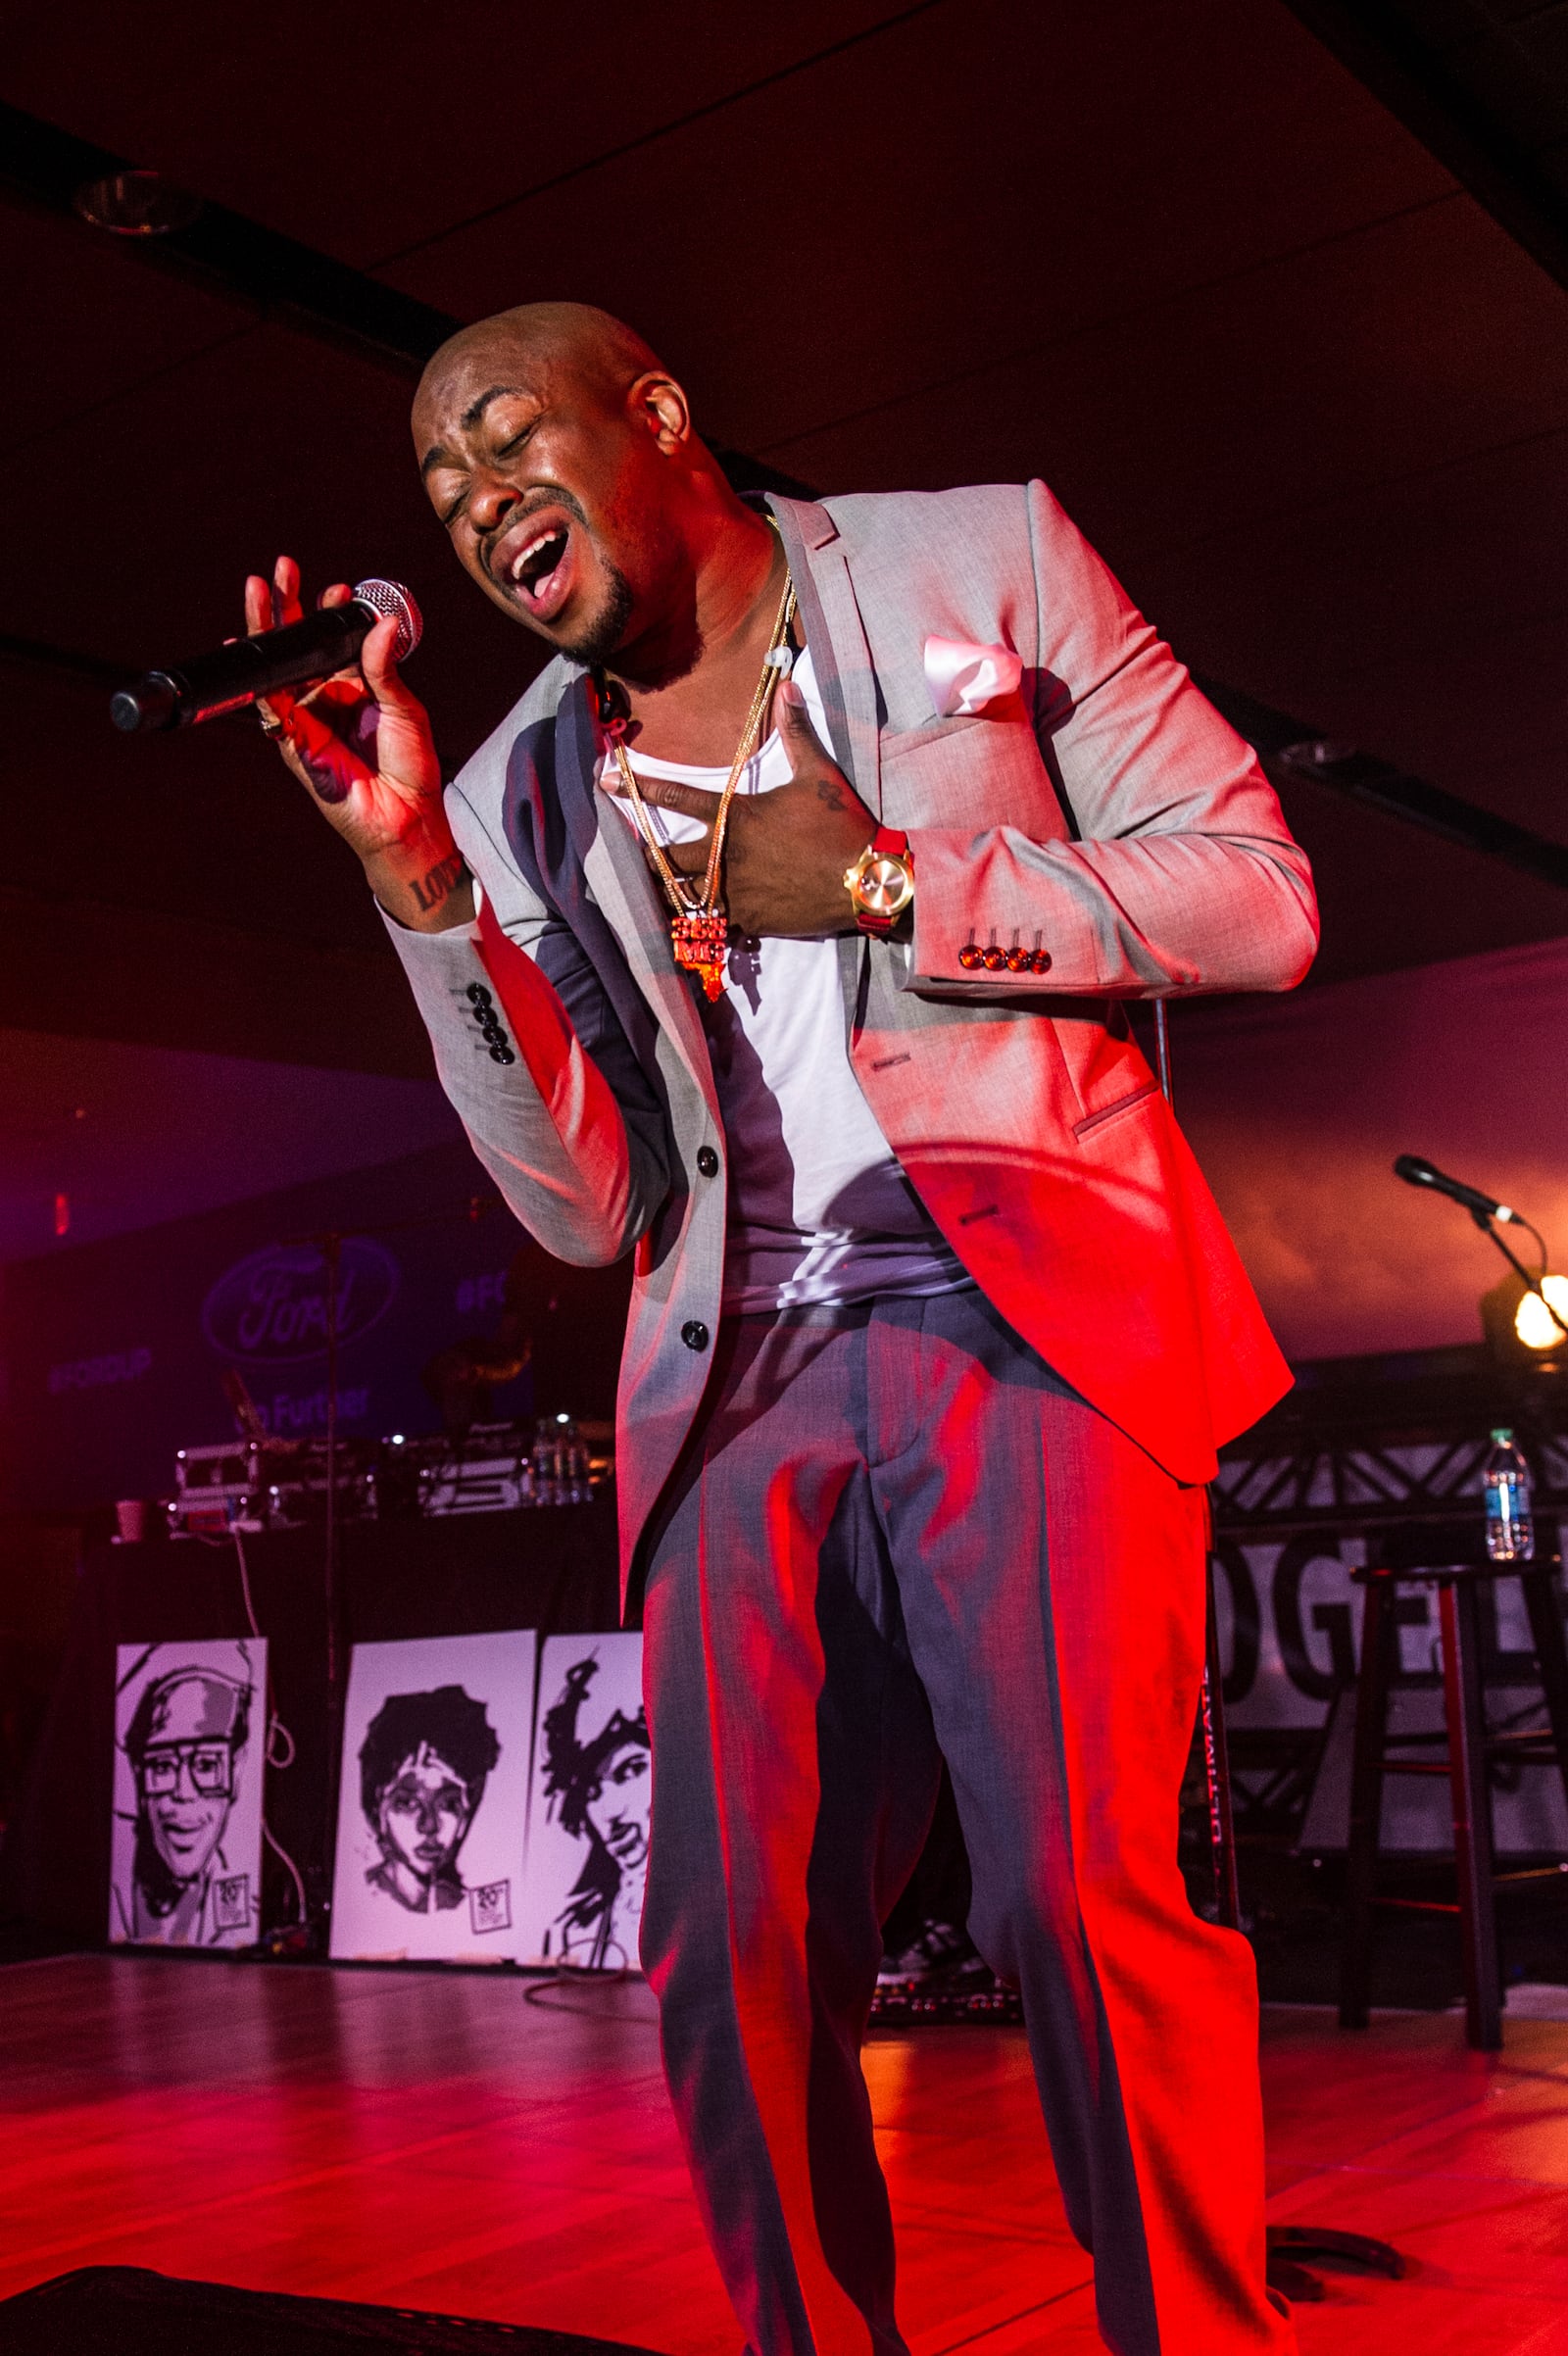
965, 678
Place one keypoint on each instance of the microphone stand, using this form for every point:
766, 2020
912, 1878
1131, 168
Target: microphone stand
1531, 1283
333, 1248
330, 1242
1211, 1700
1287, 2244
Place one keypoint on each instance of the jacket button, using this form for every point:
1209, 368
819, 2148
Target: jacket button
1041, 961
479, 993
694, 1333
708, 1162
502, 1055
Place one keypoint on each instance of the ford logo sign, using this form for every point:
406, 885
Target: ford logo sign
269, 1309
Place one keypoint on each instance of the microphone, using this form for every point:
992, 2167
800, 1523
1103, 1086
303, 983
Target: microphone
1416, 1171
188, 693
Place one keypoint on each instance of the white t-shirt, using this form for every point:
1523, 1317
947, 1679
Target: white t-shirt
819, 1209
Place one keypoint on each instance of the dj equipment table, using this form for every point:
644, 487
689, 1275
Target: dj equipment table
463, 1575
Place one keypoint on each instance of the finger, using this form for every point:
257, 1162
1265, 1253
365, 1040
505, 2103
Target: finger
338, 595
688, 858
258, 604
378, 663
801, 740
286, 605
667, 793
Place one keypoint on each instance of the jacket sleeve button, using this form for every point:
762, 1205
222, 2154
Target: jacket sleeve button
708, 1162
694, 1333
970, 955
502, 1055
479, 993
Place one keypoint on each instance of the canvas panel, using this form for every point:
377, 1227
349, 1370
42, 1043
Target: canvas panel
432, 1800
190, 1743
588, 1807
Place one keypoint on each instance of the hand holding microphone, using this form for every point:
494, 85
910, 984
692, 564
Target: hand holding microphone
364, 747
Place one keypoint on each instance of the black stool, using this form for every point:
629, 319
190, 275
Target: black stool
1452, 1557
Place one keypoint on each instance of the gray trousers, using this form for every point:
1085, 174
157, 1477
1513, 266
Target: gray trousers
895, 1540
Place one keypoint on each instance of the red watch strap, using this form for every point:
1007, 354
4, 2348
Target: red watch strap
889, 843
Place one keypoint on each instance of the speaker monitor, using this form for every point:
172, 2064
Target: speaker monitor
129, 2311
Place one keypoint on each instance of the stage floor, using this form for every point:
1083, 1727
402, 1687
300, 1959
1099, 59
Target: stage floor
435, 2140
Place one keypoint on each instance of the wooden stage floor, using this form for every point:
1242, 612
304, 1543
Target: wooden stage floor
435, 2140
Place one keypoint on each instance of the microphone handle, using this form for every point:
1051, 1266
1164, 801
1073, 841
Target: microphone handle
233, 676
1416, 1170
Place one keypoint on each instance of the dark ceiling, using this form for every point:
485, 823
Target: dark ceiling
1183, 258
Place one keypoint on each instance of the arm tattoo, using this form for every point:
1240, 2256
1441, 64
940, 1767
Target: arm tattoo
831, 794
442, 880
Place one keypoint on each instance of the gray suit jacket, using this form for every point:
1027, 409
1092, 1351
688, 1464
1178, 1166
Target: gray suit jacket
1107, 811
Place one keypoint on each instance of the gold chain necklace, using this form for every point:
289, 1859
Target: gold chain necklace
698, 928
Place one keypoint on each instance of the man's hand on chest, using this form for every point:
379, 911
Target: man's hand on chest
785, 852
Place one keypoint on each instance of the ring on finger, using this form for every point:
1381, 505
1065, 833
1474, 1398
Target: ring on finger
270, 724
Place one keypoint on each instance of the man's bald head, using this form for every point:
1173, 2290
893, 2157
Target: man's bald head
558, 453
578, 336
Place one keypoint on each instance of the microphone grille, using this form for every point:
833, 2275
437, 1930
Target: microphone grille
390, 597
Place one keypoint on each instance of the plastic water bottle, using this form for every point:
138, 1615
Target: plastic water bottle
546, 1490
1505, 1487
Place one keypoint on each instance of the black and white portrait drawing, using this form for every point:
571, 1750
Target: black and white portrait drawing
187, 1848
589, 1807
424, 1766
432, 1797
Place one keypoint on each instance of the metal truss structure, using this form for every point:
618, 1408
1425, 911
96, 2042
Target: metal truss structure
1391, 1441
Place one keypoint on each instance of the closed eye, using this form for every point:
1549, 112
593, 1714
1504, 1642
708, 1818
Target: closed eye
450, 515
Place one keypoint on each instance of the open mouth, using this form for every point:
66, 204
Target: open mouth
540, 571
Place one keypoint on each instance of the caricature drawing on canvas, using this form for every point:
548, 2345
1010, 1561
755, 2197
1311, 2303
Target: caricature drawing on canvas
433, 1798
422, 1770
588, 1837
185, 1866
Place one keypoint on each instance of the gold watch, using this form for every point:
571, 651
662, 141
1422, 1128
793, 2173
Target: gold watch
881, 882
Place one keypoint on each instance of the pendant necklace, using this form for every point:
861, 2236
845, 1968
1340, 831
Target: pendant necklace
698, 928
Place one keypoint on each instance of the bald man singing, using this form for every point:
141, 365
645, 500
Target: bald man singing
781, 937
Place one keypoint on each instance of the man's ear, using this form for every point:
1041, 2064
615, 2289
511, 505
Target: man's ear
663, 408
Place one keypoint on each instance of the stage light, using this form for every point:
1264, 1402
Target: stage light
136, 204
1533, 1320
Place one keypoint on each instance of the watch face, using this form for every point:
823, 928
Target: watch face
885, 886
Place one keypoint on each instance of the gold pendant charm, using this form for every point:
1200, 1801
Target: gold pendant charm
700, 938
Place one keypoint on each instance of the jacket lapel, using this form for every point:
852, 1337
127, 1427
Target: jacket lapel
628, 898
840, 655
841, 660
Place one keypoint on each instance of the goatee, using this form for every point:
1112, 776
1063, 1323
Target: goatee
596, 644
